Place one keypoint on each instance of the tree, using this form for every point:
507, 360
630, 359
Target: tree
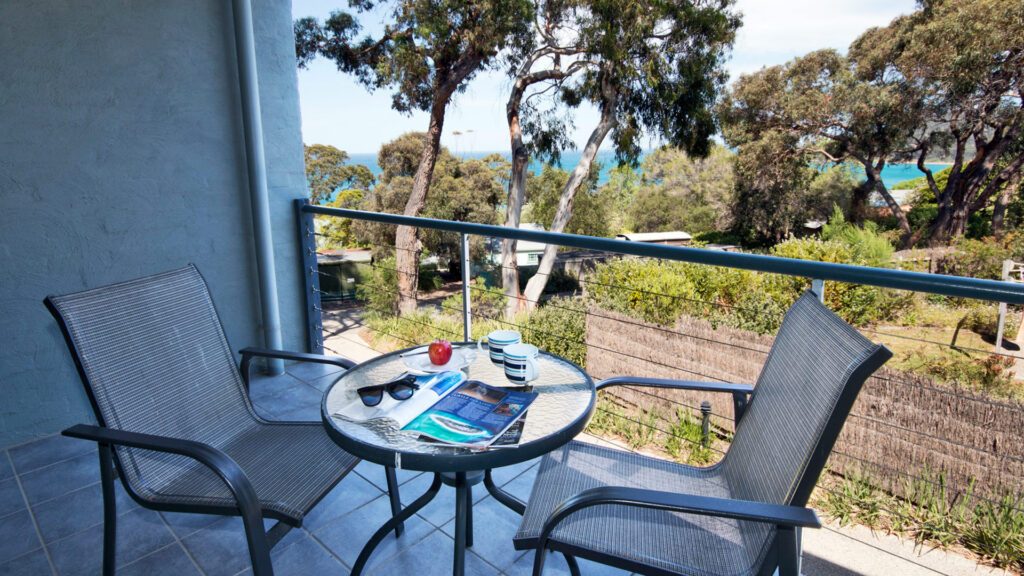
826, 113
328, 172
962, 63
427, 52
680, 192
648, 67
463, 190
771, 177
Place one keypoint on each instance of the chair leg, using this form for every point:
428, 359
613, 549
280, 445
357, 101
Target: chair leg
109, 510
788, 541
538, 561
259, 548
574, 567
396, 502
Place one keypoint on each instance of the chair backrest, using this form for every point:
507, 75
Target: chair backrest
153, 357
810, 379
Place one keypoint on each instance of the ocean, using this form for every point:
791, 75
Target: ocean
892, 174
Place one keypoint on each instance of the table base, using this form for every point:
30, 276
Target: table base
463, 483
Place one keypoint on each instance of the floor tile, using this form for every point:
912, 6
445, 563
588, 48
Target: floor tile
375, 474
5, 466
522, 485
304, 558
31, 564
432, 556
494, 527
11, 499
17, 536
139, 532
309, 371
506, 474
346, 536
77, 510
554, 565
324, 382
351, 493
281, 394
49, 450
308, 413
60, 478
170, 560
220, 548
442, 508
183, 524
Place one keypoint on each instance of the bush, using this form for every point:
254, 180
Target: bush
559, 326
379, 290
658, 292
484, 301
984, 321
989, 374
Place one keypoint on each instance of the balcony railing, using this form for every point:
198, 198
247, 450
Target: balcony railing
913, 436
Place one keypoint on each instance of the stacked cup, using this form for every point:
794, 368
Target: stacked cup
497, 341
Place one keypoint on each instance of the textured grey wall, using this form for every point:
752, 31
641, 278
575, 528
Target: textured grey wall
121, 154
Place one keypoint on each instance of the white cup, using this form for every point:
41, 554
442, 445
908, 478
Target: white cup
498, 340
521, 365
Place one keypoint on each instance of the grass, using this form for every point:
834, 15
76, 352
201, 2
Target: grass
931, 513
678, 438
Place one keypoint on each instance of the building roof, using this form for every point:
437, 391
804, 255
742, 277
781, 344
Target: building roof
654, 236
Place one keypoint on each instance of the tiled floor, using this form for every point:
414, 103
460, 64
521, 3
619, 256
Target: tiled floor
51, 515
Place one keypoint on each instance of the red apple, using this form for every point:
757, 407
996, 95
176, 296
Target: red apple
440, 352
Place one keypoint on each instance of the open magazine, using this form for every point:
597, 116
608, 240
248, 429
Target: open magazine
450, 409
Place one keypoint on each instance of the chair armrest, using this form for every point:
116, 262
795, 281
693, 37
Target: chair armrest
740, 392
777, 514
222, 464
249, 353
745, 389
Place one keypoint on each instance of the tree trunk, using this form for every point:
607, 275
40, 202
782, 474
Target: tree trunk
859, 201
514, 203
407, 244
999, 210
874, 178
535, 287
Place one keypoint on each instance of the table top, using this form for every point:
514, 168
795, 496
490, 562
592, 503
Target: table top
565, 401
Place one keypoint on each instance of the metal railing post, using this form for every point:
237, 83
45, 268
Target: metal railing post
818, 287
467, 316
310, 277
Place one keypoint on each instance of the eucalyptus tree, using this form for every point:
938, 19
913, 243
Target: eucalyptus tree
826, 113
649, 67
963, 62
426, 53
328, 173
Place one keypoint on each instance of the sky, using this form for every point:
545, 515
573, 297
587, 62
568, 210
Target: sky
336, 110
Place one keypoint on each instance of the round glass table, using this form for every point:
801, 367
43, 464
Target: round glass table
565, 401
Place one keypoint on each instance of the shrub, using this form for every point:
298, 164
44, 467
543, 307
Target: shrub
558, 326
657, 292
380, 288
988, 373
984, 321
484, 302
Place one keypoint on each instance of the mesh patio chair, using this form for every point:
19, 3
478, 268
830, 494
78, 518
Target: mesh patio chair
742, 516
175, 419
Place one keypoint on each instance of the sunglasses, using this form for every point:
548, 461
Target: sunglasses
399, 389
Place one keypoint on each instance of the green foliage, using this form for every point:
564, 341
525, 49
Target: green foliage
989, 373
379, 289
657, 292
681, 439
559, 326
679, 192
867, 246
484, 301
932, 513
328, 173
591, 205
463, 190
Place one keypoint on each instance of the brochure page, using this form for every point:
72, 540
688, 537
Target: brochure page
474, 414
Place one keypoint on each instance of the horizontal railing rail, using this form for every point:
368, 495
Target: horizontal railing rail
946, 285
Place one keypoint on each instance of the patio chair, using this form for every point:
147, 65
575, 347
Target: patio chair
742, 516
175, 419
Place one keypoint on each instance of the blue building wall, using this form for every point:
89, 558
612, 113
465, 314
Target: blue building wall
122, 154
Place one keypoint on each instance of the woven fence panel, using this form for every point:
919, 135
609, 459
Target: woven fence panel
903, 426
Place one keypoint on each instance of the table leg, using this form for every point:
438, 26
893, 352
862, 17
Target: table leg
393, 523
396, 503
510, 501
462, 505
469, 516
